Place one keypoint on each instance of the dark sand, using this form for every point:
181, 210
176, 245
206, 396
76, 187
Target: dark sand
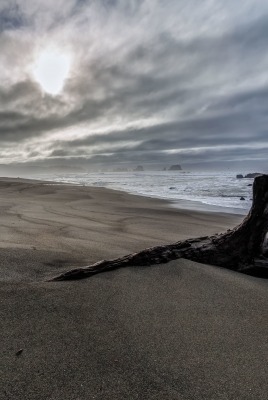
175, 331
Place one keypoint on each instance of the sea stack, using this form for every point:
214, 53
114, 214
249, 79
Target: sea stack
175, 167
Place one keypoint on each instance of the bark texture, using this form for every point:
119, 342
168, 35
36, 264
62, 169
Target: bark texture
243, 248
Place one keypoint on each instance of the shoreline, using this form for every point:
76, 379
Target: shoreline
188, 204
181, 204
58, 226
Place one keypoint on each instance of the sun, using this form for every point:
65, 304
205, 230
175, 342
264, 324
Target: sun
50, 70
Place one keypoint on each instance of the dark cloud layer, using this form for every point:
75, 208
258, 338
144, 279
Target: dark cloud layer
147, 83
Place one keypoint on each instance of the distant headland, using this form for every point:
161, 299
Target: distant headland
251, 175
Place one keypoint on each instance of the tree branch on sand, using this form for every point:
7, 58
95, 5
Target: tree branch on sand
241, 249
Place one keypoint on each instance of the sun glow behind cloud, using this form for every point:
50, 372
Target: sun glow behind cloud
51, 69
73, 85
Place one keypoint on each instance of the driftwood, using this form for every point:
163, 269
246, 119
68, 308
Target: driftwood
241, 249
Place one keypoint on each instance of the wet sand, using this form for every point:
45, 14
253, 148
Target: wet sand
176, 331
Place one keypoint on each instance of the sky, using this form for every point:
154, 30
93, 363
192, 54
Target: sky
121, 83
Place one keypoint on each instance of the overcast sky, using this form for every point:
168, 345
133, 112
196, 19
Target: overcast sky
137, 81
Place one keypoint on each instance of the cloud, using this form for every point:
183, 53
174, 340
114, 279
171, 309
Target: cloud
147, 78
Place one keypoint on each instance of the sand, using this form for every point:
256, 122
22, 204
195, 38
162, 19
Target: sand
181, 330
46, 228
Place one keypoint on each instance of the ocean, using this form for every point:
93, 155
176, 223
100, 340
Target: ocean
219, 191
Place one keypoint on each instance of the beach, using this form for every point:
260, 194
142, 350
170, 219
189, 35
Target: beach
180, 330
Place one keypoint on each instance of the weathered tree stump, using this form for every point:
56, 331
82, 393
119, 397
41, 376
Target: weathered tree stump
241, 249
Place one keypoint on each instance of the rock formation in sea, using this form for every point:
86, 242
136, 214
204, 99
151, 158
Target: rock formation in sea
252, 175
175, 167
